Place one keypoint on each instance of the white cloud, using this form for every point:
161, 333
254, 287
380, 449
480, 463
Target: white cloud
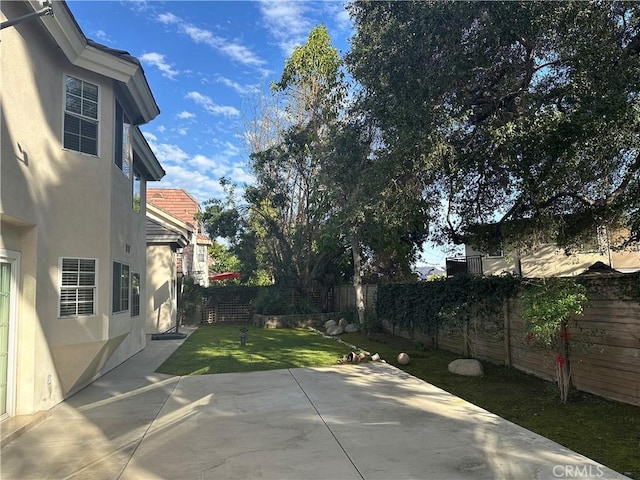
233, 50
162, 128
286, 22
157, 60
182, 131
227, 148
340, 15
150, 137
212, 107
239, 88
103, 37
201, 186
184, 115
203, 163
239, 175
167, 153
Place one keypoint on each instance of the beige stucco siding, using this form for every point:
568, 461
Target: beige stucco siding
551, 261
161, 307
58, 203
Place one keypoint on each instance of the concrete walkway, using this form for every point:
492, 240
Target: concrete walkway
368, 421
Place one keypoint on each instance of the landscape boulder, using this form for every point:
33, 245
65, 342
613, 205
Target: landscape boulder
329, 324
466, 366
351, 328
336, 330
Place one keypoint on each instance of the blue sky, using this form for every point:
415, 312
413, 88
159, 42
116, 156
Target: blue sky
207, 63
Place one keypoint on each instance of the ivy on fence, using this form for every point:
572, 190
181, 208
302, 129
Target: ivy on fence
455, 302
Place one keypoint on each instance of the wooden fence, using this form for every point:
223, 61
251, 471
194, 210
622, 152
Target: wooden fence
605, 353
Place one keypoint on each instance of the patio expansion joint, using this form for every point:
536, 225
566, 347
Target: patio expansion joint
326, 424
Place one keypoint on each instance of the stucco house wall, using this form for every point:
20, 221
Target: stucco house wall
161, 283
550, 261
165, 236
57, 203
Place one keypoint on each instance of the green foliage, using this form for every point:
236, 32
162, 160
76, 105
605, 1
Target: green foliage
547, 307
508, 110
189, 299
216, 349
223, 260
265, 300
454, 301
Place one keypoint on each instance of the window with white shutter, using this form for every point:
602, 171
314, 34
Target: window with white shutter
78, 287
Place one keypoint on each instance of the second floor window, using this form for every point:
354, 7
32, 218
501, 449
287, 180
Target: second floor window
122, 147
81, 116
202, 253
137, 191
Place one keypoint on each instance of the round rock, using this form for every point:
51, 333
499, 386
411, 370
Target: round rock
403, 358
466, 366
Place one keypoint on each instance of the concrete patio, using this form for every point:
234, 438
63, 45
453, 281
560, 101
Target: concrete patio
368, 421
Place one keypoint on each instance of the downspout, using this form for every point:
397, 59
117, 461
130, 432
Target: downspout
47, 10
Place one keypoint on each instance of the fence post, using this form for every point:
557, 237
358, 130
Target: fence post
506, 314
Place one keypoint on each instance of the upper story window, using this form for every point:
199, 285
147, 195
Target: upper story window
137, 191
202, 253
81, 116
122, 146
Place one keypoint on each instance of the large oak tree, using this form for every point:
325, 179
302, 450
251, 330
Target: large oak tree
509, 110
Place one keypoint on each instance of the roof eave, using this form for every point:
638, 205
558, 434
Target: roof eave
66, 32
147, 158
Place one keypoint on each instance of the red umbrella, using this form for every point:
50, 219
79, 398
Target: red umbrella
218, 277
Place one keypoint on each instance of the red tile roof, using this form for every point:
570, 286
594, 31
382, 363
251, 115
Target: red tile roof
175, 201
180, 204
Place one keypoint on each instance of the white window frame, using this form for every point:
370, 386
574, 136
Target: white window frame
13, 258
137, 190
121, 306
80, 116
135, 307
122, 133
201, 253
77, 287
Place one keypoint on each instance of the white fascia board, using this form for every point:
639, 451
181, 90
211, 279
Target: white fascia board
145, 154
167, 220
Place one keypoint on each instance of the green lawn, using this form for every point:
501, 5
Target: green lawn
216, 349
606, 431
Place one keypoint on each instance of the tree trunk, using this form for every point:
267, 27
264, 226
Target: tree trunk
357, 279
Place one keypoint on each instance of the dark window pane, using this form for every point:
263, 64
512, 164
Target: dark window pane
85, 309
73, 104
74, 86
89, 129
90, 109
87, 266
90, 91
71, 124
89, 145
72, 142
68, 309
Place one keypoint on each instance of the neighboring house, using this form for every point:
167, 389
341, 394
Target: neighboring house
73, 177
548, 260
194, 258
166, 235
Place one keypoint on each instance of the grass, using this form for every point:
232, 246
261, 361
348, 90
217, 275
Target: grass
604, 430
216, 349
